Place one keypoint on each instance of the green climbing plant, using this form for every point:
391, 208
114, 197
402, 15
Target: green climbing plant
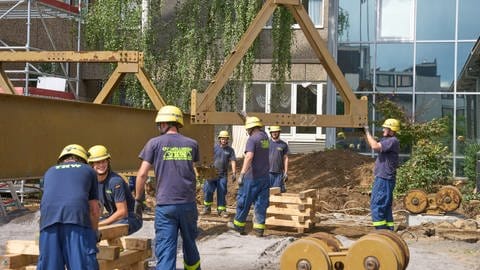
184, 49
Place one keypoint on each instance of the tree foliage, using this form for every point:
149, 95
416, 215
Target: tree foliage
184, 50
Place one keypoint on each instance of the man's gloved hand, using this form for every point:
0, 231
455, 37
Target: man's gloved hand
285, 177
234, 177
98, 235
138, 208
240, 179
366, 129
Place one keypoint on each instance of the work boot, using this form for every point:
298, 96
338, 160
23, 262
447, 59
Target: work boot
223, 213
259, 232
207, 210
236, 228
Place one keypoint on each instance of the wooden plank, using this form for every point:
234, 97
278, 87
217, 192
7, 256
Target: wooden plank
293, 200
12, 261
288, 223
308, 193
275, 190
113, 231
108, 252
127, 257
288, 211
137, 243
25, 247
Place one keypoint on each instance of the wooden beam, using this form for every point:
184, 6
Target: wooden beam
13, 261
25, 247
108, 252
149, 87
113, 231
112, 83
5, 83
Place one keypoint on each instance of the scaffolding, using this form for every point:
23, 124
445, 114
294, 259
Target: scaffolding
30, 10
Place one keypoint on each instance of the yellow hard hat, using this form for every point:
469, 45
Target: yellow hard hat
253, 121
392, 124
169, 113
341, 134
97, 153
74, 149
223, 134
274, 128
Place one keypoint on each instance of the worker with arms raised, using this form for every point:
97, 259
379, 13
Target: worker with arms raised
385, 172
113, 192
172, 156
69, 213
253, 181
224, 156
278, 158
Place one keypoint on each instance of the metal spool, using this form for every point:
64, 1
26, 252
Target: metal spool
416, 201
375, 252
329, 242
305, 254
448, 198
399, 241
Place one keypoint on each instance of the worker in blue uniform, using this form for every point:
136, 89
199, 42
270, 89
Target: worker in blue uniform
224, 156
69, 212
278, 158
385, 172
172, 156
113, 192
253, 181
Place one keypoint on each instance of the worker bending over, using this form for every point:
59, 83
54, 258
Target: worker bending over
114, 193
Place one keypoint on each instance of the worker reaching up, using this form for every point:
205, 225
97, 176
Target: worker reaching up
224, 156
69, 213
172, 156
385, 172
278, 157
253, 182
113, 192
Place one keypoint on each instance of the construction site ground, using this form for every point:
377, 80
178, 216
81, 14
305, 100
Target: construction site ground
342, 180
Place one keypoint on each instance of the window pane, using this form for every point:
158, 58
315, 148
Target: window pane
396, 19
306, 104
471, 108
468, 20
281, 102
355, 62
394, 65
356, 21
435, 19
468, 69
315, 10
428, 107
434, 67
256, 100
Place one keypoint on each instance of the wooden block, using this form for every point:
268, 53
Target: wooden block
113, 231
137, 243
308, 193
127, 258
108, 252
288, 223
25, 247
292, 200
274, 191
288, 211
12, 261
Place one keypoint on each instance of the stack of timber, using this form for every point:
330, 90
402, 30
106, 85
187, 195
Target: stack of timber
292, 210
115, 251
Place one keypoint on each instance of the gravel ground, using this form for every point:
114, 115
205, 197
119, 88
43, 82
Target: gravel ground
229, 250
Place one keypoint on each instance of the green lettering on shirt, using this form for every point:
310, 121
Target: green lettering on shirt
177, 153
265, 144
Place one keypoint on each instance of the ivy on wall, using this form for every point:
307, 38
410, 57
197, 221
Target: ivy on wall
184, 49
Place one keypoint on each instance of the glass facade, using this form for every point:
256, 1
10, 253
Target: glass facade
422, 54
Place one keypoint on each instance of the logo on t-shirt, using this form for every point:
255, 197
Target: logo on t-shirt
265, 144
177, 153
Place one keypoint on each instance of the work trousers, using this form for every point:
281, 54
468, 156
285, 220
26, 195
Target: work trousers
169, 220
209, 187
255, 191
276, 180
381, 203
67, 245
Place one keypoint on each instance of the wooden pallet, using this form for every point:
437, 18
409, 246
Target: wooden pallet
115, 251
294, 210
